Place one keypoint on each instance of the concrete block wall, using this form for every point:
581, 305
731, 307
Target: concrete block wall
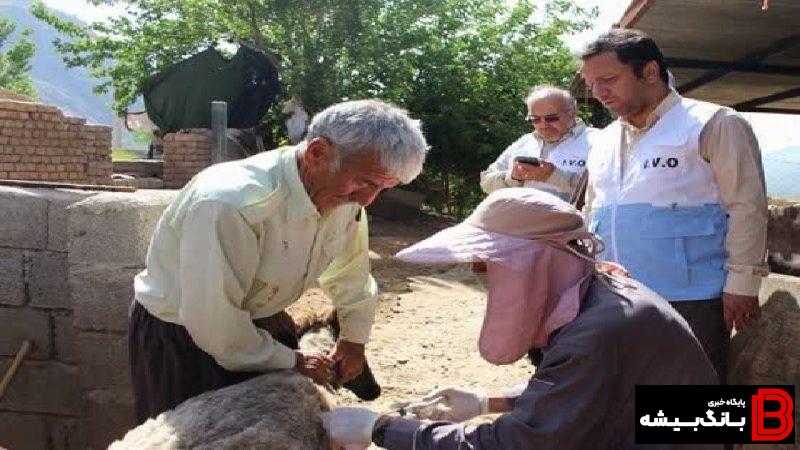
39, 143
185, 154
109, 235
67, 261
41, 408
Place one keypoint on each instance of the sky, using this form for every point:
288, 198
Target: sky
610, 11
83, 10
774, 131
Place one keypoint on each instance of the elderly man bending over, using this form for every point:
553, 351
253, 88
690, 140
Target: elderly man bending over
244, 239
560, 142
601, 335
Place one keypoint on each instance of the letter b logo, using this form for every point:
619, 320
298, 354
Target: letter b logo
783, 415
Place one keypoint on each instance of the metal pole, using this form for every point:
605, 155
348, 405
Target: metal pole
219, 123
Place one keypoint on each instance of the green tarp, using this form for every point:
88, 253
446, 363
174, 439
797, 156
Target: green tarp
181, 96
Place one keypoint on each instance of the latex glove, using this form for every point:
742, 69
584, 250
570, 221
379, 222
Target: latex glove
451, 403
349, 427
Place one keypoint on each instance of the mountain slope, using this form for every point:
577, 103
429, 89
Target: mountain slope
69, 89
782, 172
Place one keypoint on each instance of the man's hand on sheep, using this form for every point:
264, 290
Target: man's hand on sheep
316, 366
350, 428
349, 360
450, 403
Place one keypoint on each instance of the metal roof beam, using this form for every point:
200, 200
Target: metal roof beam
633, 13
732, 66
770, 110
779, 46
791, 93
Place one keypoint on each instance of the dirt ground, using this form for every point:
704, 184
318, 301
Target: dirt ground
427, 324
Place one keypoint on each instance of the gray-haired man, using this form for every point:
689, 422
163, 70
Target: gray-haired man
244, 239
560, 141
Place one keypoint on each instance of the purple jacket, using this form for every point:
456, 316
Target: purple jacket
582, 394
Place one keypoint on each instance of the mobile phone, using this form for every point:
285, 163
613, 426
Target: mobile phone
532, 160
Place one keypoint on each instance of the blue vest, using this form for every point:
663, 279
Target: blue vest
662, 218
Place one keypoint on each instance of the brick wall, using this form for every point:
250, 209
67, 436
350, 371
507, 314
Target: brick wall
185, 154
39, 143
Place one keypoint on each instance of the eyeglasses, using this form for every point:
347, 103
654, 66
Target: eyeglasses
549, 118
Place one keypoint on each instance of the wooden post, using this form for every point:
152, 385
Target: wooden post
26, 347
219, 124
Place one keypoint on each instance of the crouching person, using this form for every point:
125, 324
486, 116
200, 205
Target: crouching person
244, 239
601, 334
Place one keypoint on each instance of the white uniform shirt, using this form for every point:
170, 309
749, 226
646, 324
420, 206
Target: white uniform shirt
731, 149
568, 155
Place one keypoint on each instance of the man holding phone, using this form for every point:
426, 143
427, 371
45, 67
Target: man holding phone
551, 158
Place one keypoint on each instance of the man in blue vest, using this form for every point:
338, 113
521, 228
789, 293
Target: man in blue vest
560, 142
676, 190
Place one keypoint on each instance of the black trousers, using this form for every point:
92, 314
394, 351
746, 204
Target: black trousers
708, 325
167, 367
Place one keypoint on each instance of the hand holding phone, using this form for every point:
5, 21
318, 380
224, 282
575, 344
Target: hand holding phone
530, 168
532, 160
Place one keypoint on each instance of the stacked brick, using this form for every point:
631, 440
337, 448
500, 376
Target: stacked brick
38, 143
185, 154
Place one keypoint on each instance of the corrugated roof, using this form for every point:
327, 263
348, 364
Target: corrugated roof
730, 52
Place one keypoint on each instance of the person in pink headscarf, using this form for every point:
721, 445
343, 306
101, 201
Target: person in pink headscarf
601, 334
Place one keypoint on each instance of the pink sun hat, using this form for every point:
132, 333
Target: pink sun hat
536, 279
502, 224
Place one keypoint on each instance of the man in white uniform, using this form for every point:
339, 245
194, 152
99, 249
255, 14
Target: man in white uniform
676, 190
560, 141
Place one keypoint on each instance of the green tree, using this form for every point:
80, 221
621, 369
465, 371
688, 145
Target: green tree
461, 66
15, 60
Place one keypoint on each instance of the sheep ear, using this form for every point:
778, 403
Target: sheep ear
364, 386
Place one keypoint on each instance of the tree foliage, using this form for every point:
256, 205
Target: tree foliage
15, 59
461, 66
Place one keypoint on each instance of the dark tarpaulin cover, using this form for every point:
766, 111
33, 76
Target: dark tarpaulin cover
181, 96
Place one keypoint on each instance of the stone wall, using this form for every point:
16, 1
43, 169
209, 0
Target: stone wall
769, 351
185, 154
39, 143
67, 260
783, 239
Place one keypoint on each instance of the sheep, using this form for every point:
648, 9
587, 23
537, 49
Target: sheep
278, 410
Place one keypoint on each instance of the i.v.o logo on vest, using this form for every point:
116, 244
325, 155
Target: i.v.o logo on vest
653, 163
573, 163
